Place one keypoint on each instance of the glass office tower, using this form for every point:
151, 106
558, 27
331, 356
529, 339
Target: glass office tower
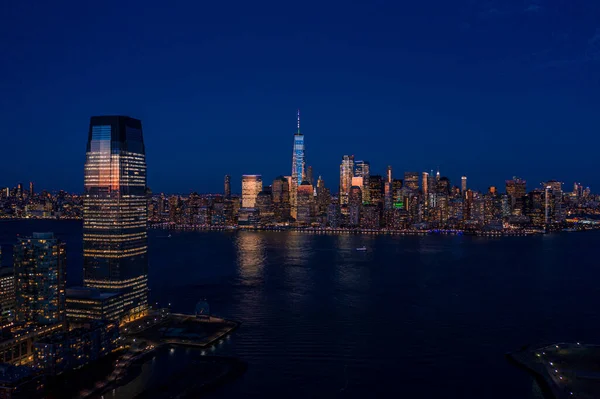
115, 212
298, 172
40, 278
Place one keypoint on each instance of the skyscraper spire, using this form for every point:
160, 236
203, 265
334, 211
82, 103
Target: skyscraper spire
298, 120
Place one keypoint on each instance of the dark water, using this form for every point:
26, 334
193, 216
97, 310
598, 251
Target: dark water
414, 317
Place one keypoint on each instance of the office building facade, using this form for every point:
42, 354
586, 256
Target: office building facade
115, 208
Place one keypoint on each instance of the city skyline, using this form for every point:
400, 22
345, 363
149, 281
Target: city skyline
300, 168
491, 90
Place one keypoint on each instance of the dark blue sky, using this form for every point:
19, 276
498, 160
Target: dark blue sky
490, 88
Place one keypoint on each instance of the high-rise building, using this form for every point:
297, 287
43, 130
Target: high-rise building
227, 187
346, 174
463, 184
31, 190
363, 169
388, 174
397, 192
251, 186
298, 172
323, 196
516, 190
281, 199
411, 180
388, 195
115, 211
40, 279
376, 190
309, 174
264, 204
7, 298
354, 204
556, 191
305, 203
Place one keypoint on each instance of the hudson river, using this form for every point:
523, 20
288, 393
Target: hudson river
412, 317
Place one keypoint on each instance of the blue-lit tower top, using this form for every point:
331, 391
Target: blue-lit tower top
298, 172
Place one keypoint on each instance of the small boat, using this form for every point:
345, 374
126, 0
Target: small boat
362, 249
169, 236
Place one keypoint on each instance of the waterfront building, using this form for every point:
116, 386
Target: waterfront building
85, 304
227, 186
354, 204
535, 209
281, 199
363, 169
264, 204
298, 163
175, 209
305, 210
251, 186
217, 213
411, 180
115, 208
346, 175
557, 215
468, 205
334, 214
370, 217
248, 217
323, 197
40, 279
75, 348
516, 189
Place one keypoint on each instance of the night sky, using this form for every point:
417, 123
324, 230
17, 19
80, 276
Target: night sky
486, 88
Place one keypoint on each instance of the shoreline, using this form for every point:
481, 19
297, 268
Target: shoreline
129, 368
338, 231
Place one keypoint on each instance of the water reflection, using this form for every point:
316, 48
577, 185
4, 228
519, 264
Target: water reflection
251, 257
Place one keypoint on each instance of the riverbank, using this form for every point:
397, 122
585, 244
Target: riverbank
563, 370
156, 333
351, 231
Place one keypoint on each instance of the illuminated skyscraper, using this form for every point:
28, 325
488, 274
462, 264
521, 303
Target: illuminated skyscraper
463, 184
251, 186
346, 174
298, 172
115, 211
227, 188
363, 169
40, 279
388, 174
31, 190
